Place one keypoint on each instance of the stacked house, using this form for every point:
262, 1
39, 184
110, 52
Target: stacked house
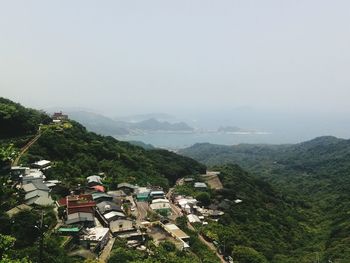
127, 188
112, 215
79, 209
42, 165
185, 203
159, 203
36, 193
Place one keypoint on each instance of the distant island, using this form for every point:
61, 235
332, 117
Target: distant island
107, 126
234, 129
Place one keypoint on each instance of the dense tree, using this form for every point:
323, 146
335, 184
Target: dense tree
203, 198
241, 254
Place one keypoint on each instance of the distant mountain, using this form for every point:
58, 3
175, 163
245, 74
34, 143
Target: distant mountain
155, 125
99, 123
108, 126
143, 117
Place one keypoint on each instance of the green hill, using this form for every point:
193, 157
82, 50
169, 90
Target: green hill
16, 120
316, 172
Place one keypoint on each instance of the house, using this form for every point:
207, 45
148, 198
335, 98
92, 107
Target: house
78, 203
36, 185
42, 165
213, 214
121, 226
42, 201
157, 194
17, 209
95, 238
186, 204
107, 206
161, 208
94, 180
37, 193
118, 194
193, 218
51, 183
114, 215
127, 188
142, 194
31, 175
85, 219
188, 180
98, 188
200, 185
30, 179
100, 197
160, 200
177, 233
59, 116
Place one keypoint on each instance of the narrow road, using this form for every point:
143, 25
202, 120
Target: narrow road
208, 244
104, 256
142, 209
26, 147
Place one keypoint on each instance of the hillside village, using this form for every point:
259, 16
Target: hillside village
92, 217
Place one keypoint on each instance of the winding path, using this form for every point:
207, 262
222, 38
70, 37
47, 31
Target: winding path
26, 147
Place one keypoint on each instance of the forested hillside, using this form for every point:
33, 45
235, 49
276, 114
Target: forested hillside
16, 120
265, 221
78, 153
316, 172
279, 223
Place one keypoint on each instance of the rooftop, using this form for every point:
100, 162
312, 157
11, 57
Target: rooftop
106, 206
79, 217
127, 185
200, 185
95, 234
42, 163
112, 214
172, 228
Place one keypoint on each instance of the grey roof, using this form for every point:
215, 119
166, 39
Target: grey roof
200, 185
96, 196
94, 178
110, 216
44, 201
79, 217
35, 185
107, 206
35, 193
29, 187
31, 179
127, 185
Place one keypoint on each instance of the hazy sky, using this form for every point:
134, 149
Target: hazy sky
141, 56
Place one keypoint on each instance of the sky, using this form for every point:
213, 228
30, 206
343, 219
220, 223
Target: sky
184, 56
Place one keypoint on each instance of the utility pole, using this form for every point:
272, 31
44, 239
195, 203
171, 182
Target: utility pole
40, 227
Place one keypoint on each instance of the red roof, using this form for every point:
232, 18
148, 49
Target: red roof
72, 201
99, 188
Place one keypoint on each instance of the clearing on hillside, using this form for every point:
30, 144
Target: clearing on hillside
212, 179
